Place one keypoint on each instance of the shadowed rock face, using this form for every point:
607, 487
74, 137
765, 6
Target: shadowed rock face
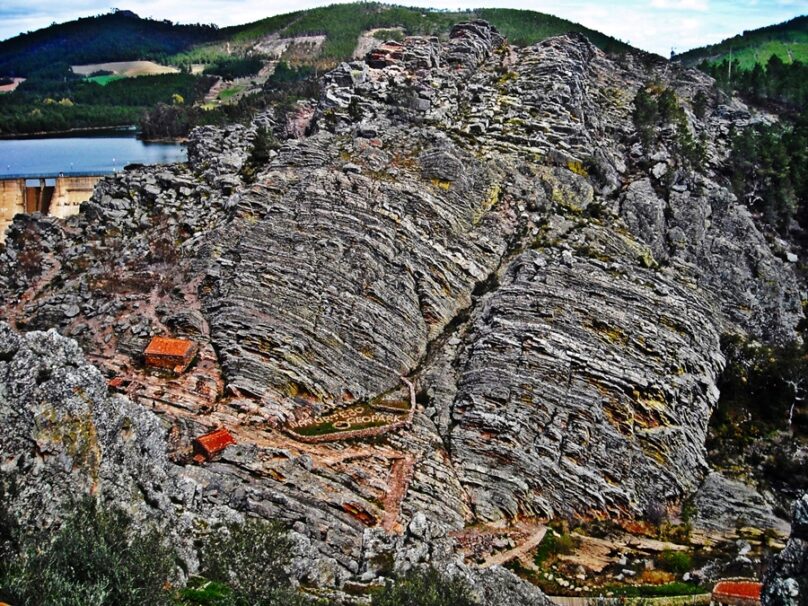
477, 217
786, 581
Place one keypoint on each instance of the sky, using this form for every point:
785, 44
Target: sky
653, 25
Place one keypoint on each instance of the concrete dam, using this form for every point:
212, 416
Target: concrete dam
57, 195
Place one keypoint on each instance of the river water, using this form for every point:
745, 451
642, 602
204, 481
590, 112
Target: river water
97, 153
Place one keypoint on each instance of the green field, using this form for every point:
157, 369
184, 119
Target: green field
104, 80
228, 93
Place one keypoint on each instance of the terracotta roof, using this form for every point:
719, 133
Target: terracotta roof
747, 590
215, 441
166, 346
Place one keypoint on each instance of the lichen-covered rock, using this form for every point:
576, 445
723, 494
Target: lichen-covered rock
722, 503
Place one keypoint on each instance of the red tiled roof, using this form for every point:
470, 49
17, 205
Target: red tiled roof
215, 441
115, 382
166, 346
748, 590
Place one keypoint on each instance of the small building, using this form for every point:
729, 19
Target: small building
736, 592
173, 354
211, 444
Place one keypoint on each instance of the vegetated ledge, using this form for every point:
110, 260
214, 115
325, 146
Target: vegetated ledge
321, 429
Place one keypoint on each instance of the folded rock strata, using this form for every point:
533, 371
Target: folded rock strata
477, 217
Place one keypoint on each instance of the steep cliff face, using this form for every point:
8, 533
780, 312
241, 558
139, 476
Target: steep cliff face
480, 219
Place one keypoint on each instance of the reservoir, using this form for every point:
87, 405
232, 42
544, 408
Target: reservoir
95, 153
55, 175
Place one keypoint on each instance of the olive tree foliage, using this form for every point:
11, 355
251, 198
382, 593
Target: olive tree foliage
250, 559
97, 557
425, 588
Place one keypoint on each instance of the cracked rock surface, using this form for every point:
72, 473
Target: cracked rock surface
477, 217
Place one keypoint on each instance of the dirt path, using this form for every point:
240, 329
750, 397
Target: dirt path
400, 476
517, 552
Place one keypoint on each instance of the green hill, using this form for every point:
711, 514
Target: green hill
788, 41
342, 24
117, 36
53, 97
123, 36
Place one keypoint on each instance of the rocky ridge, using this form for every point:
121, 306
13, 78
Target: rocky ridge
480, 218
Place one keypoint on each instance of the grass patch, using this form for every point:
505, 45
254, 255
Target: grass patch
552, 545
229, 93
104, 80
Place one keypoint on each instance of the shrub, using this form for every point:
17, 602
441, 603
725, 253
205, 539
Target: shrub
96, 558
425, 588
554, 544
645, 115
250, 559
675, 561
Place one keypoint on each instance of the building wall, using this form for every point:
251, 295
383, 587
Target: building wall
12, 202
68, 194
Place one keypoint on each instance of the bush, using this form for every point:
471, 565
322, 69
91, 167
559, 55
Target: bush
645, 116
96, 558
675, 561
554, 544
425, 588
250, 559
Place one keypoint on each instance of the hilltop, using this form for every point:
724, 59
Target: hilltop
77, 73
116, 36
124, 36
788, 41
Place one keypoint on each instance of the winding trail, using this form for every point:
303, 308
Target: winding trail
506, 556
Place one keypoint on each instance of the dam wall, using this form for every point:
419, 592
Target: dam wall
57, 196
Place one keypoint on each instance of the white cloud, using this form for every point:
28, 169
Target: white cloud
682, 5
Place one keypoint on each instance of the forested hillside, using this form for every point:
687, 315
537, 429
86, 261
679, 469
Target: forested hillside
53, 98
116, 36
788, 41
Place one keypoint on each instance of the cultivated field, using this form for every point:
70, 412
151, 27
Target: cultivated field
7, 88
127, 69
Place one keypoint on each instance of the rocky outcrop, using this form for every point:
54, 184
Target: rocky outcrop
722, 503
786, 581
479, 218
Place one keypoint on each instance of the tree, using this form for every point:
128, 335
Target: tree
425, 588
250, 559
645, 115
700, 105
96, 558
